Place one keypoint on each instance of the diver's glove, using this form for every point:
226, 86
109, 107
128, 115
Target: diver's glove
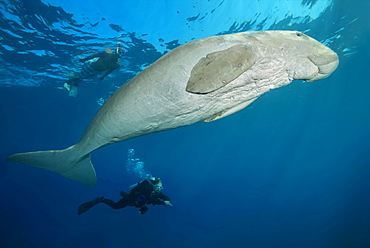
168, 203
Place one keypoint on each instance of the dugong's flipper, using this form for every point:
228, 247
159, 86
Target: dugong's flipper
63, 162
220, 68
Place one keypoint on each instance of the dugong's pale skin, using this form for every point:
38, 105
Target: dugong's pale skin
202, 80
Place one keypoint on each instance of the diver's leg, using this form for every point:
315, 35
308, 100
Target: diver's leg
76, 81
123, 193
116, 205
72, 86
72, 82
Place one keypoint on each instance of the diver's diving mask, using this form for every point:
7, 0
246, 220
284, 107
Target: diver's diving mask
158, 187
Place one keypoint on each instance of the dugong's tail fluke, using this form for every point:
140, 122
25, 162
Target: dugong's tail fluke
63, 162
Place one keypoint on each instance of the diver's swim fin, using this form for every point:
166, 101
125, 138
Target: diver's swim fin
73, 92
67, 86
87, 205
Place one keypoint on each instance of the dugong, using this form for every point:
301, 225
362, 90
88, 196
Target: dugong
202, 80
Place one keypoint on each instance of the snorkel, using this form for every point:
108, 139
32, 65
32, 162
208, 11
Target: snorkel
119, 49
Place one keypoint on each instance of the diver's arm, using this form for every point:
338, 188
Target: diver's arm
166, 199
158, 199
160, 202
157, 202
163, 196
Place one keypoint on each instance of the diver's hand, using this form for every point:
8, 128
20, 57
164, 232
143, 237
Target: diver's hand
168, 203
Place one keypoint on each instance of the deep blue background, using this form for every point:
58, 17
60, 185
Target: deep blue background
291, 170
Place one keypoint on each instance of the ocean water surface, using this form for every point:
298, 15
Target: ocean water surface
291, 170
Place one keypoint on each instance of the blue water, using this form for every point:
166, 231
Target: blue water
291, 170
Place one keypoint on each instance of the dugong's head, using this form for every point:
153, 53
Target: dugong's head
312, 59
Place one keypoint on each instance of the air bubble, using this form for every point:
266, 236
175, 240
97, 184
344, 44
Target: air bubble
135, 166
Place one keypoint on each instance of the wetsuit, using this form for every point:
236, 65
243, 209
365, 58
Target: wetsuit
140, 196
139, 200
87, 71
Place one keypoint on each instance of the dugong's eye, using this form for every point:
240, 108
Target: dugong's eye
299, 34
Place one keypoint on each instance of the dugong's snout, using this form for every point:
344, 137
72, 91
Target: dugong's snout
326, 63
317, 66
314, 61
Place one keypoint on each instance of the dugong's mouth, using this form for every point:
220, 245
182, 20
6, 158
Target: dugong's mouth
326, 65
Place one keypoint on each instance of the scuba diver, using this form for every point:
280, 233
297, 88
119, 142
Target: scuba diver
141, 194
107, 61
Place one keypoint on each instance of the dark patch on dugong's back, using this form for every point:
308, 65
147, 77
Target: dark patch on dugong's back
220, 68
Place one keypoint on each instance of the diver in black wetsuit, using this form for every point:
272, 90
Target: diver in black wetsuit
141, 195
